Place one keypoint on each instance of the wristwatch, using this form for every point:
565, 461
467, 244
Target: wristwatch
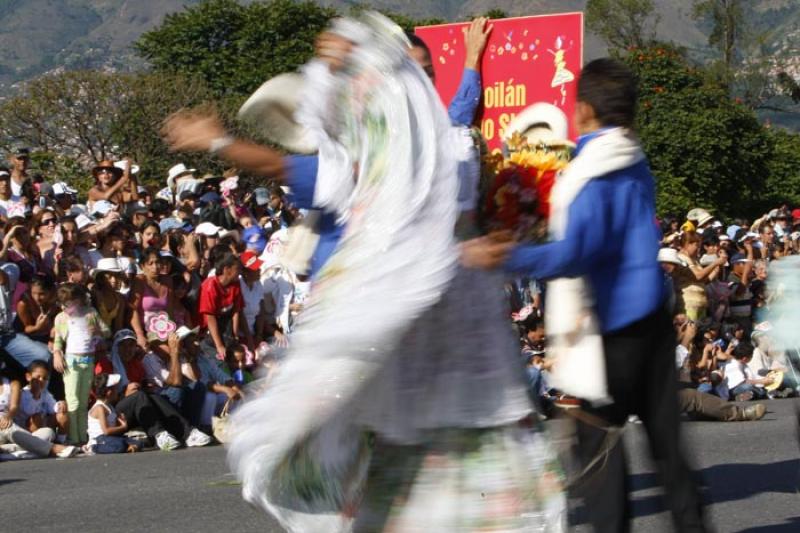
219, 144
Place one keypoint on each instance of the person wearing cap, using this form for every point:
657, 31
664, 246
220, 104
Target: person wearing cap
21, 184
741, 298
206, 374
767, 357
691, 280
113, 184
253, 293
670, 261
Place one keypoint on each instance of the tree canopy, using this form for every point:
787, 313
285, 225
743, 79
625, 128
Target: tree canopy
234, 48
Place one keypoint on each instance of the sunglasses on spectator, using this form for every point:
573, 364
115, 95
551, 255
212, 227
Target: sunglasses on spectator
47, 222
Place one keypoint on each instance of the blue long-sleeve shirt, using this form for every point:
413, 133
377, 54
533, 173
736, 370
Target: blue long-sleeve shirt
301, 171
611, 238
464, 104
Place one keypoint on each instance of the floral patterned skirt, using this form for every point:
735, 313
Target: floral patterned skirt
496, 479
506, 478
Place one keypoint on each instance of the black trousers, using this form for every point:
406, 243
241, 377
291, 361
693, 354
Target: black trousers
640, 364
154, 414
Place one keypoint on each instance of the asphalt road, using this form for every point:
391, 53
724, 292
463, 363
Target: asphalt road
751, 471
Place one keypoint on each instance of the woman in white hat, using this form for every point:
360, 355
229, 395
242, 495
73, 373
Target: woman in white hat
109, 303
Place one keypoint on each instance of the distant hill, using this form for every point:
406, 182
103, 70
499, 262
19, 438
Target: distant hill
37, 36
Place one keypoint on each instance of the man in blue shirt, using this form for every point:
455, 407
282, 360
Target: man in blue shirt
611, 240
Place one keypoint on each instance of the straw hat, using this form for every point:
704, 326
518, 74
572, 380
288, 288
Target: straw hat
272, 108
541, 124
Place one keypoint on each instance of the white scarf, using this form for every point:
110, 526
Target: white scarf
572, 326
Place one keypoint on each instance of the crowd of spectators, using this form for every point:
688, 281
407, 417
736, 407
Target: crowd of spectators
133, 319
716, 277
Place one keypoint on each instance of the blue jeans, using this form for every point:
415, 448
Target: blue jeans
114, 444
23, 349
758, 392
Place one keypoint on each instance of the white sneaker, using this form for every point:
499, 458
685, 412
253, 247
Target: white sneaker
166, 442
67, 452
197, 438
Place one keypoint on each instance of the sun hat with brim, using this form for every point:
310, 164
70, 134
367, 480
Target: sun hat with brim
670, 255
176, 172
541, 124
704, 218
106, 165
271, 109
107, 264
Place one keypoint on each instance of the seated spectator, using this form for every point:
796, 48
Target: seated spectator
39, 443
38, 408
768, 358
204, 372
105, 428
164, 376
238, 365
741, 380
143, 408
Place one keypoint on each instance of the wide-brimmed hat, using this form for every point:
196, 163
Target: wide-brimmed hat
670, 255
106, 165
176, 172
271, 109
700, 216
541, 124
107, 264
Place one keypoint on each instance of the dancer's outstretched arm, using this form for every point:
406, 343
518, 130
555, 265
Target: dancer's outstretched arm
203, 132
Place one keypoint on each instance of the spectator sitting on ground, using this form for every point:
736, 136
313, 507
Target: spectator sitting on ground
768, 358
144, 409
204, 372
741, 380
38, 409
238, 365
105, 427
38, 443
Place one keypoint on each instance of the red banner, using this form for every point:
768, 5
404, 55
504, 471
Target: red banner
527, 60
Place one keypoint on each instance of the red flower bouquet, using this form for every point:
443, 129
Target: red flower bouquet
518, 197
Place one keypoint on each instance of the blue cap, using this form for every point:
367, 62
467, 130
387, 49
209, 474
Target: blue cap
255, 238
210, 198
168, 224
